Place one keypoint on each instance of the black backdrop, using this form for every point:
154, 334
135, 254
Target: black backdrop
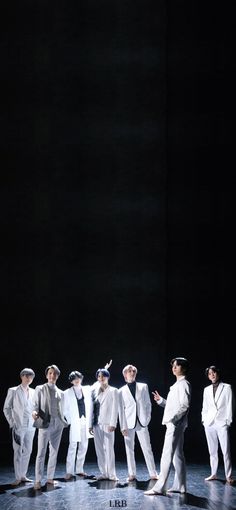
116, 197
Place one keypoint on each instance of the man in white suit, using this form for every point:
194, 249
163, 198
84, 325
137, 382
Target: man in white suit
217, 416
134, 416
103, 422
49, 408
175, 418
78, 402
18, 407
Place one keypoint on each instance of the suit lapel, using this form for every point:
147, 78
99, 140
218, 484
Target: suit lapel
103, 395
219, 391
137, 392
128, 394
20, 395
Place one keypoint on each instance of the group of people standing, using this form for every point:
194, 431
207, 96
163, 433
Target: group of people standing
94, 411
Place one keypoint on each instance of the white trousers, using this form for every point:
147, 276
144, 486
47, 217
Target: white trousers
51, 435
144, 440
22, 452
172, 452
77, 451
104, 447
216, 434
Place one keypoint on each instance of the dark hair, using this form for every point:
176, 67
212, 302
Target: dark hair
183, 362
75, 375
103, 371
27, 371
214, 369
53, 367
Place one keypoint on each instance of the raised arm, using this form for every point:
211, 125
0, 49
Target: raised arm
108, 364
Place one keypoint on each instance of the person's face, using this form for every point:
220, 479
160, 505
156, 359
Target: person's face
213, 376
26, 380
52, 376
102, 379
76, 381
130, 375
177, 369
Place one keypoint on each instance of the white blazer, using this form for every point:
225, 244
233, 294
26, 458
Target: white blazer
71, 412
177, 403
130, 409
14, 406
42, 401
109, 403
220, 409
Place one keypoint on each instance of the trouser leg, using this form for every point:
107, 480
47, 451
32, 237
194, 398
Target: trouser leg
70, 459
179, 464
212, 442
168, 450
17, 456
129, 449
99, 448
224, 439
82, 447
109, 438
144, 439
54, 443
43, 438
26, 450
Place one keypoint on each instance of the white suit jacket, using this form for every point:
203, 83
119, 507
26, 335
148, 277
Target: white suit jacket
14, 406
108, 410
220, 409
177, 403
130, 409
42, 401
71, 412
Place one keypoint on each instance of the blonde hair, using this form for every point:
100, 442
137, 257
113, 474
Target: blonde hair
125, 369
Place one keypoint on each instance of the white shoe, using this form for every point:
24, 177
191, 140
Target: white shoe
131, 478
210, 478
151, 492
154, 477
50, 481
37, 486
15, 483
68, 476
25, 479
181, 491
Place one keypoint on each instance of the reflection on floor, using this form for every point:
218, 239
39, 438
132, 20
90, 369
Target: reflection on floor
91, 494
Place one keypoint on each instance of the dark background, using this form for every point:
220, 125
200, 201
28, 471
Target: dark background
117, 197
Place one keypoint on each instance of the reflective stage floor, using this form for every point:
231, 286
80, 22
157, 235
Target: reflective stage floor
90, 494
